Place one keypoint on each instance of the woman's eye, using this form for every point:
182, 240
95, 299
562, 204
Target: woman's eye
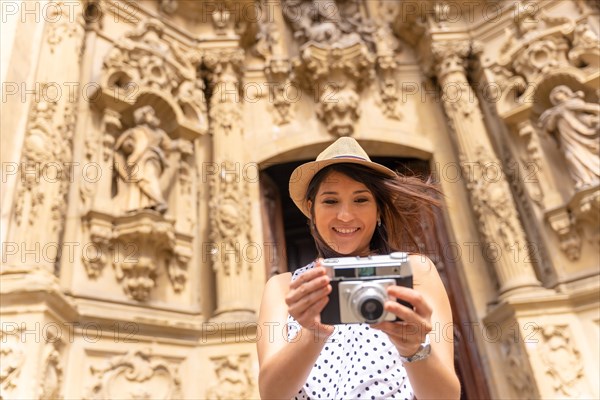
361, 200
329, 201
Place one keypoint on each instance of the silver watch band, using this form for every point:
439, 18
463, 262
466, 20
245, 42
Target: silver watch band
422, 353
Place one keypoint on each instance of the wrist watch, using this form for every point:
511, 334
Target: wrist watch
422, 353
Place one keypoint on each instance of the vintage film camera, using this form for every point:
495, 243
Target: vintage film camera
359, 287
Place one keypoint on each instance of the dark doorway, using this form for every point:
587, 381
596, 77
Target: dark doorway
283, 220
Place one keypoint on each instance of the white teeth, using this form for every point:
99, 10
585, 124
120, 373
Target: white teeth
342, 230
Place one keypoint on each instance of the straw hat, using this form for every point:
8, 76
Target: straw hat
343, 150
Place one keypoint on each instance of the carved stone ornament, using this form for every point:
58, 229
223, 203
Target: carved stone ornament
148, 60
337, 74
135, 375
234, 378
567, 221
564, 226
12, 353
225, 103
230, 220
388, 46
277, 71
267, 32
62, 26
517, 369
562, 361
585, 51
449, 63
336, 58
45, 171
40, 146
167, 6
52, 376
140, 245
536, 44
533, 156
575, 125
492, 202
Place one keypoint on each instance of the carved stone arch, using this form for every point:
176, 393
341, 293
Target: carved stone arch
415, 145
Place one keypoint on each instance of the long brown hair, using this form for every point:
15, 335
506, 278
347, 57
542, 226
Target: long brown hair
402, 201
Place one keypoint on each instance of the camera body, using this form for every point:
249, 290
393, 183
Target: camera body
359, 287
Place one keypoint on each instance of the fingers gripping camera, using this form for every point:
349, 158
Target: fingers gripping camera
359, 287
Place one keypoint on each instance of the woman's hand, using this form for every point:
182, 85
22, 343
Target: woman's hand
307, 297
408, 334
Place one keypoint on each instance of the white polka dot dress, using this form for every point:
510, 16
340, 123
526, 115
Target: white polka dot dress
357, 362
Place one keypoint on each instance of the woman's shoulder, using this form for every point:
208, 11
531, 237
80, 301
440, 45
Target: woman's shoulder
420, 261
278, 282
425, 274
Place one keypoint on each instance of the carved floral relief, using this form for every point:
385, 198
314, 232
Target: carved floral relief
12, 353
138, 374
235, 379
562, 361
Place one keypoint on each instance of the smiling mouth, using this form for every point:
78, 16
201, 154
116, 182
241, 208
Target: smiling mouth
345, 231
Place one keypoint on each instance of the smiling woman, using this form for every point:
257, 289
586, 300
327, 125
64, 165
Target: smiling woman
347, 214
357, 207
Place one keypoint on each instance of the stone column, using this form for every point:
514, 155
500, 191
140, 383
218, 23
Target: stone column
504, 241
35, 230
229, 206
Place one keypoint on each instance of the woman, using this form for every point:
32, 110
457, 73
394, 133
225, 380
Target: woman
356, 208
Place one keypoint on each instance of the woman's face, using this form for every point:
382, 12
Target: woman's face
345, 214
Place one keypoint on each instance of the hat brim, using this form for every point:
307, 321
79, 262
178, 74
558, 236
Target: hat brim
302, 175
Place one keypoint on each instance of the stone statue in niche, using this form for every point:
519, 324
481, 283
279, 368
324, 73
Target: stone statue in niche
140, 160
575, 124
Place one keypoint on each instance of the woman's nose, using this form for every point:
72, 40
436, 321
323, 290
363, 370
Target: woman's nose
344, 213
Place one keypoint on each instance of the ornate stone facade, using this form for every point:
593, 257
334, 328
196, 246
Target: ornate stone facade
138, 213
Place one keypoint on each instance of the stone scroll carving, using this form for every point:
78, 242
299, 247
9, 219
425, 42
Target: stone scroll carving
136, 375
575, 125
234, 378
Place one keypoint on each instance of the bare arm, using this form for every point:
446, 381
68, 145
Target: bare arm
286, 364
432, 309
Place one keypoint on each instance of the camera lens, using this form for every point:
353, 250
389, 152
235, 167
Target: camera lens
371, 309
367, 302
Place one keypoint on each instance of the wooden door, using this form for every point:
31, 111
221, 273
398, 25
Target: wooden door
273, 231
